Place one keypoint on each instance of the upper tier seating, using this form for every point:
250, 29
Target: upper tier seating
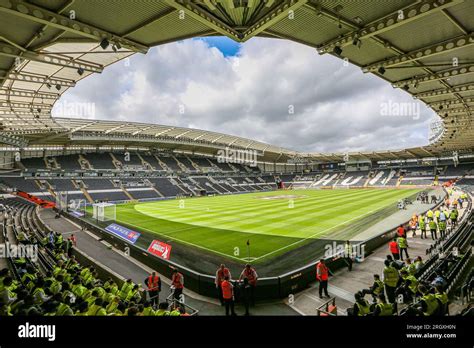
100, 160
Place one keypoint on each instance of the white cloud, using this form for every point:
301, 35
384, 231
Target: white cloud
336, 107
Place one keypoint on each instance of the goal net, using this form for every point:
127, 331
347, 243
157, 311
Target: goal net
61, 200
103, 211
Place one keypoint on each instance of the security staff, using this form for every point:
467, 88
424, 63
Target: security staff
322, 275
442, 228
443, 300
394, 249
221, 273
390, 279
228, 295
428, 301
153, 283
125, 289
177, 282
382, 308
376, 289
361, 305
422, 226
251, 274
403, 246
433, 229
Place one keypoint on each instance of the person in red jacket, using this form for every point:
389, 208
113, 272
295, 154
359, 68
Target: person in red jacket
177, 282
228, 295
401, 231
221, 273
393, 246
252, 277
322, 275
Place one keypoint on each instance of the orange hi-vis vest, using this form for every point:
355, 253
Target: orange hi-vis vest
221, 274
393, 247
227, 290
322, 272
177, 281
153, 282
250, 275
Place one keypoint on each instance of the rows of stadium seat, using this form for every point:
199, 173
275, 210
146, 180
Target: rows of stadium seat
171, 163
20, 183
100, 161
69, 162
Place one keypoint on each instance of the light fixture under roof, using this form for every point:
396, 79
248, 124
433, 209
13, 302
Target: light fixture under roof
337, 50
104, 43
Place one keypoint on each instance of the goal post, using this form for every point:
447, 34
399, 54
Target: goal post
104, 211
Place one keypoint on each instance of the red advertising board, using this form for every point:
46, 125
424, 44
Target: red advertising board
160, 249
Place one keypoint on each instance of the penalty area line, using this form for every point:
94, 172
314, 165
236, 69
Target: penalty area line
182, 241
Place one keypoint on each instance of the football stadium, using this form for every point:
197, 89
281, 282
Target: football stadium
241, 158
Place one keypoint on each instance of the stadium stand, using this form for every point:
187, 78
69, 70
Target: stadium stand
55, 283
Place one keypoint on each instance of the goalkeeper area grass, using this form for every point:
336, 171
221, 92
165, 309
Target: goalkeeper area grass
272, 222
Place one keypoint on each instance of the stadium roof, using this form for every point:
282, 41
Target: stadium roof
46, 47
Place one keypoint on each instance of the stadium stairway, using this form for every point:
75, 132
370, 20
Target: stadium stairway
106, 255
344, 284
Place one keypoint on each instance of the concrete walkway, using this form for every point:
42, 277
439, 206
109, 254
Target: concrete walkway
394, 220
344, 284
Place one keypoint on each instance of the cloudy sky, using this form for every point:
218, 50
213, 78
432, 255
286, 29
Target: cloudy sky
274, 91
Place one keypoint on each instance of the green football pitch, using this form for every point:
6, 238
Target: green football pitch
273, 222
